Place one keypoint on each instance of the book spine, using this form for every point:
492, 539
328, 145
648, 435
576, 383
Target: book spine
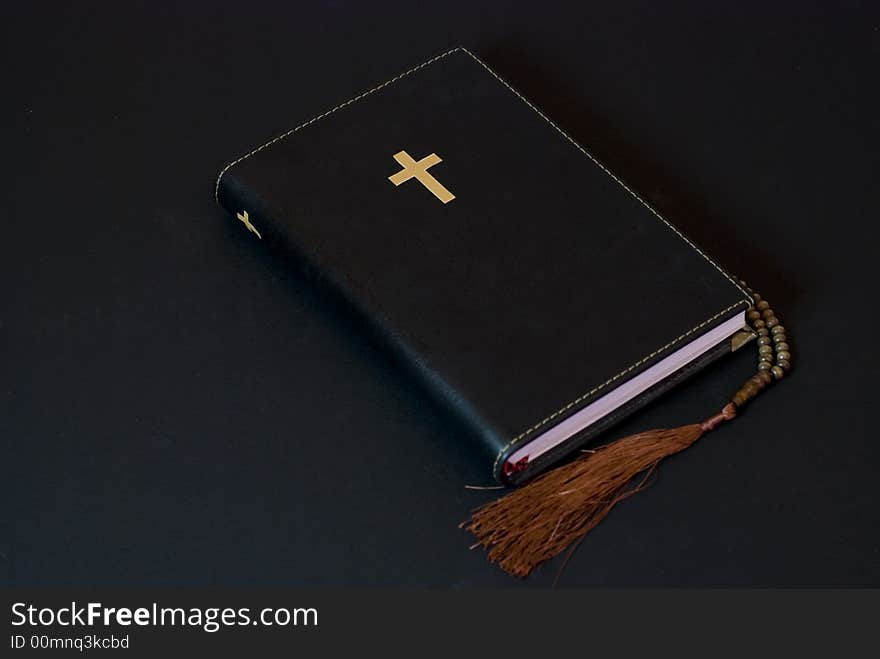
267, 224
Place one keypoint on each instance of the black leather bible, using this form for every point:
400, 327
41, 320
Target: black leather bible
531, 291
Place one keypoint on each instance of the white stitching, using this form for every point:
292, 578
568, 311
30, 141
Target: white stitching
576, 145
513, 441
605, 169
606, 383
328, 112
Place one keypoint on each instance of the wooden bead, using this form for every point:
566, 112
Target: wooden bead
772, 347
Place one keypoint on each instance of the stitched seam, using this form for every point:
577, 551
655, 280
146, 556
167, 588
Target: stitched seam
606, 170
670, 226
610, 380
325, 114
568, 406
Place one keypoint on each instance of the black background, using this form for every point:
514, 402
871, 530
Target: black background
177, 407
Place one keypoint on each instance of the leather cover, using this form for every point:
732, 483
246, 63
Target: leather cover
543, 284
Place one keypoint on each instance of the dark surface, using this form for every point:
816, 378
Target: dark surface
489, 300
178, 408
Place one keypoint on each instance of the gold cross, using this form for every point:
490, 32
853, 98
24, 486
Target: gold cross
419, 171
243, 216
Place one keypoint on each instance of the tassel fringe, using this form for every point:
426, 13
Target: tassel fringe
558, 509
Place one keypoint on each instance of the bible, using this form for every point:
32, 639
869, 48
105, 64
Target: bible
528, 288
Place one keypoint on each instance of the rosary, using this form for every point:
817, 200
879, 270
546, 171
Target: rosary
771, 341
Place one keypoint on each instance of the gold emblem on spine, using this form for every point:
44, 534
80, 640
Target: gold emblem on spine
419, 171
246, 220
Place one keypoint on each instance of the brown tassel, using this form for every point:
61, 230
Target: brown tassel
541, 519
